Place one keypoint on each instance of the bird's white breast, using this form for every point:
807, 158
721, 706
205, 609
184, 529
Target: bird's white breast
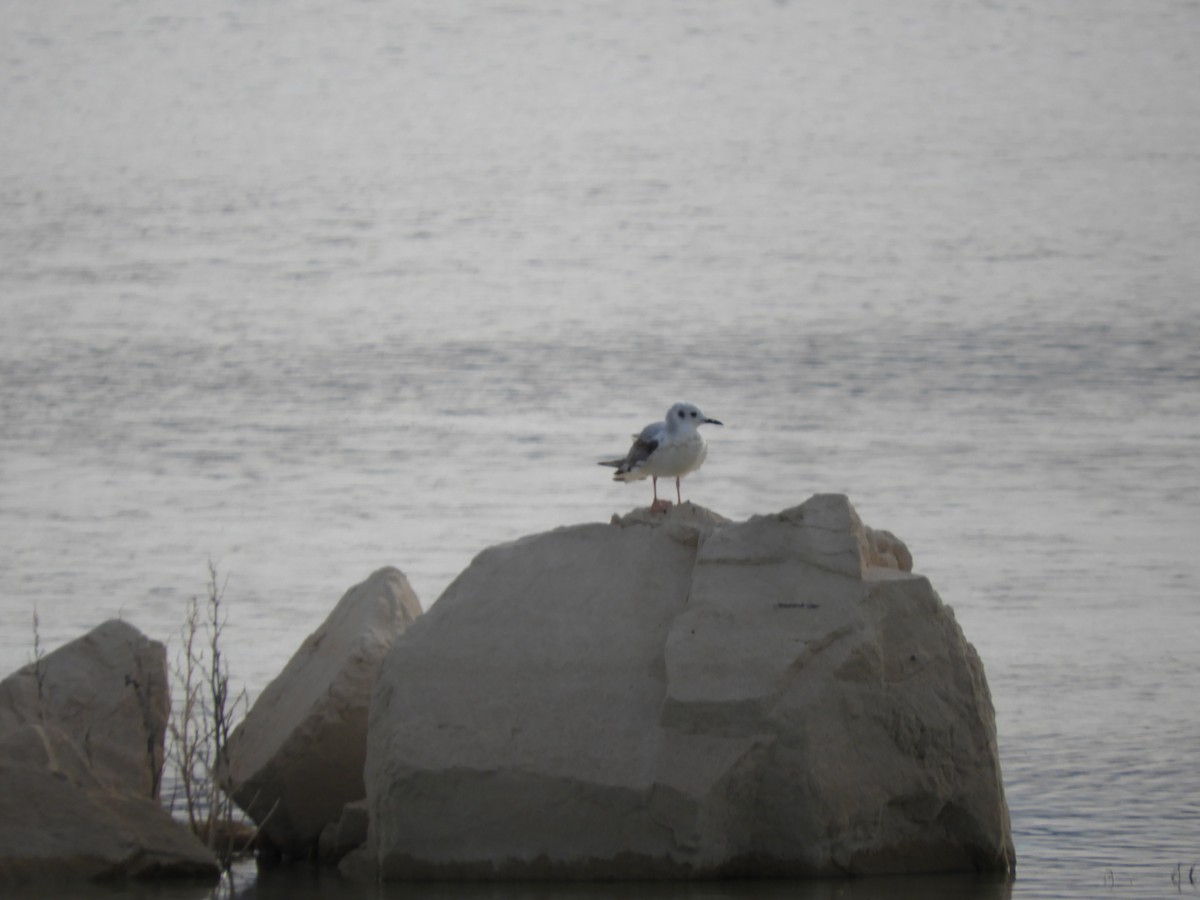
676, 457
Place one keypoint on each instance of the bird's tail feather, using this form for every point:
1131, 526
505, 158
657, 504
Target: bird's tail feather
623, 475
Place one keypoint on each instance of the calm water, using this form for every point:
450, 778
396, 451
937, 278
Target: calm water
307, 289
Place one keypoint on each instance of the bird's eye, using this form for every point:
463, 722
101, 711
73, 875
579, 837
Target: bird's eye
693, 414
681, 414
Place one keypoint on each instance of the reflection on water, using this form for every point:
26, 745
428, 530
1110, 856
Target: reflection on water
304, 884
285, 884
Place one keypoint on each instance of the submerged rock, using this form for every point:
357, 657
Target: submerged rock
348, 833
682, 696
81, 750
297, 758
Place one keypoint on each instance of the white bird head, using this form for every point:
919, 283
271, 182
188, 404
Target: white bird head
687, 416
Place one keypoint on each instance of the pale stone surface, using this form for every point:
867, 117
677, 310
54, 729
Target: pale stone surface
297, 758
681, 696
81, 748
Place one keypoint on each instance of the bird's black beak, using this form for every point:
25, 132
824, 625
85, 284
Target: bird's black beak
712, 422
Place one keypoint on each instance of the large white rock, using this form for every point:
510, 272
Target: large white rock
297, 758
81, 749
680, 696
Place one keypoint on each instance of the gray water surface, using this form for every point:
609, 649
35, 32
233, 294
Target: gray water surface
310, 289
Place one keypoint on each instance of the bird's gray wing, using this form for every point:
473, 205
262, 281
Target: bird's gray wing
643, 445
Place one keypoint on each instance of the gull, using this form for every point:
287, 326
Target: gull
668, 449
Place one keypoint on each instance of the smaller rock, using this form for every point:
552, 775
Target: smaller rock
59, 821
81, 749
108, 691
886, 551
346, 834
297, 758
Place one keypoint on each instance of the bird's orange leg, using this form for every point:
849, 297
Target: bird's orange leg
658, 505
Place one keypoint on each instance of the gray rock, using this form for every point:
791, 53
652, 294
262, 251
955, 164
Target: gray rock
81, 749
58, 821
297, 758
680, 696
108, 691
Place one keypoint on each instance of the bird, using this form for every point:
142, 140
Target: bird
668, 449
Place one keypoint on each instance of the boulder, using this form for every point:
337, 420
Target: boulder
297, 758
59, 821
81, 749
682, 696
108, 691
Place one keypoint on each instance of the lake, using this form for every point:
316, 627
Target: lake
305, 290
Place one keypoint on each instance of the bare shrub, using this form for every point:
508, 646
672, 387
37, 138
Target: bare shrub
202, 717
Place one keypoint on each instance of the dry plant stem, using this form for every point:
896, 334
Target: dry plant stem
39, 665
221, 715
186, 725
203, 720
